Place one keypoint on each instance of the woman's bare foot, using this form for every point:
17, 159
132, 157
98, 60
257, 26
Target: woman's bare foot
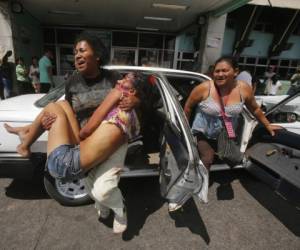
23, 150
20, 131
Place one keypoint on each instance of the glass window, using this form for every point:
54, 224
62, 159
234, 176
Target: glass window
52, 48
262, 61
186, 65
251, 60
168, 59
49, 35
170, 42
273, 62
125, 39
294, 63
230, 23
258, 26
124, 57
67, 36
241, 59
184, 85
260, 71
284, 62
186, 55
282, 72
148, 40
66, 61
149, 57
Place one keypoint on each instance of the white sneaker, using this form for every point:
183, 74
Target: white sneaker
103, 212
120, 223
173, 207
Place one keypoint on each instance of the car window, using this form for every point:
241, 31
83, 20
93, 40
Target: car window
286, 113
52, 96
183, 85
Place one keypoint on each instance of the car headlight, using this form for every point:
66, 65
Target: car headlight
285, 117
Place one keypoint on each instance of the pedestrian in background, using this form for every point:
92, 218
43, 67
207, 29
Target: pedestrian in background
273, 85
6, 75
269, 74
46, 71
34, 75
245, 76
295, 82
23, 86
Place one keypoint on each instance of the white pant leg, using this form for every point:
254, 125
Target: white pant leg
102, 181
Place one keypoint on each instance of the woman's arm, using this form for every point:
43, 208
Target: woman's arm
195, 97
99, 114
254, 108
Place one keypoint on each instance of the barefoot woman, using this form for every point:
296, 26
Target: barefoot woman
85, 89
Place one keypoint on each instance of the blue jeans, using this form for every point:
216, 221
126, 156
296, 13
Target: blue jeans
6, 87
64, 163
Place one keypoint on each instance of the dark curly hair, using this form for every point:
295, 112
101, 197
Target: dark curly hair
96, 44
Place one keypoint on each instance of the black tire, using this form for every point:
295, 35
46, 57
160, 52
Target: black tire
62, 192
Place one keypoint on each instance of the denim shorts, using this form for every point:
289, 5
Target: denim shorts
64, 162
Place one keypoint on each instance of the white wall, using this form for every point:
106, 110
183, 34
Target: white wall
6, 41
213, 44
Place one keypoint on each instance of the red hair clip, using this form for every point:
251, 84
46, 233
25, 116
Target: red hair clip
152, 80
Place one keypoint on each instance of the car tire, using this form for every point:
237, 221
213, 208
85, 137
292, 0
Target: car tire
68, 193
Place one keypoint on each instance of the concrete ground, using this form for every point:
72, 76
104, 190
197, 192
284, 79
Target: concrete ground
242, 213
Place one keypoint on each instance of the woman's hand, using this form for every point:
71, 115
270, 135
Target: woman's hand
83, 135
128, 102
272, 128
47, 120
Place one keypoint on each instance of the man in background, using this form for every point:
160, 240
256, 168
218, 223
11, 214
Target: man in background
245, 76
45, 68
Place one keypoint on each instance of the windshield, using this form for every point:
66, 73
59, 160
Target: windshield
52, 96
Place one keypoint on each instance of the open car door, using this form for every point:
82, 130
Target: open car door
276, 159
182, 174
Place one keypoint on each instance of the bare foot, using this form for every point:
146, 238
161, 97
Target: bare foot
20, 131
23, 150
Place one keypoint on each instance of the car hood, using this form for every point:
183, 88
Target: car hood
19, 103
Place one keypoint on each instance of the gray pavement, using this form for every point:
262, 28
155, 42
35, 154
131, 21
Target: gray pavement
242, 213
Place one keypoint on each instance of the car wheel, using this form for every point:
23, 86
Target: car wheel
67, 193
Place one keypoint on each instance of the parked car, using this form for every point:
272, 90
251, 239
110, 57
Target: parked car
168, 149
287, 116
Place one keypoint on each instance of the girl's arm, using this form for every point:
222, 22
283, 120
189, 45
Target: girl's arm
100, 113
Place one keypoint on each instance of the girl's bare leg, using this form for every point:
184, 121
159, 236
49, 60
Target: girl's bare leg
65, 129
104, 141
28, 134
71, 119
20, 131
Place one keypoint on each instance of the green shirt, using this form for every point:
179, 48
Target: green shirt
44, 64
21, 73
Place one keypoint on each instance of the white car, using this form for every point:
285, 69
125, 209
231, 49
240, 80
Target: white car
287, 116
168, 149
